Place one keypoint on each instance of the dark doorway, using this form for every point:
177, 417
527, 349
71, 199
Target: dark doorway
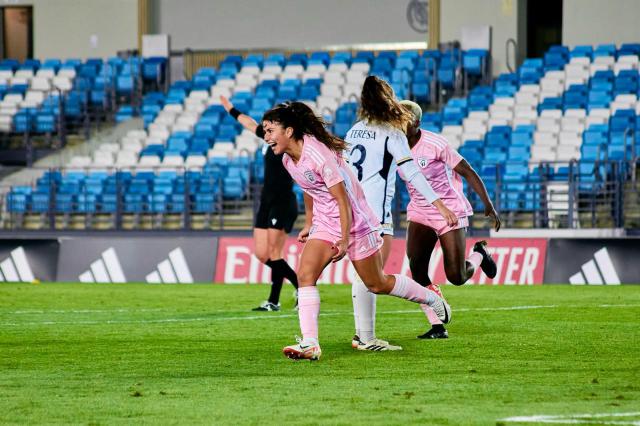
544, 26
17, 32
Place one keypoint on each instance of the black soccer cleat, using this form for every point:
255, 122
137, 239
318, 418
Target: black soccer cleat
437, 332
488, 265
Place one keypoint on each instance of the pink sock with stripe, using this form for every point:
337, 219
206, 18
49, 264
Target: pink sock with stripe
308, 311
408, 289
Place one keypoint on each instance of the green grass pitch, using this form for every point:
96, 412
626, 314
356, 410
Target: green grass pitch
196, 354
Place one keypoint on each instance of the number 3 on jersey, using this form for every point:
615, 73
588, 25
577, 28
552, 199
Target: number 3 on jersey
358, 164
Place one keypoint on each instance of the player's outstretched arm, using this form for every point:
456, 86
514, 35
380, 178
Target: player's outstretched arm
308, 218
464, 169
246, 121
339, 192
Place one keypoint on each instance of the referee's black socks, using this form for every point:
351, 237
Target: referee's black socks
280, 270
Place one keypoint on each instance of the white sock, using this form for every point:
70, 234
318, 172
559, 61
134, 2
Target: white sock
364, 310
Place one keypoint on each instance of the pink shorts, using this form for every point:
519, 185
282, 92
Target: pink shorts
360, 247
439, 225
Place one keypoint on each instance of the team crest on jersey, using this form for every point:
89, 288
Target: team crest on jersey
422, 162
310, 177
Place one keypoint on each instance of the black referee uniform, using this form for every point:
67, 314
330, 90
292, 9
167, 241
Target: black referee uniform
278, 204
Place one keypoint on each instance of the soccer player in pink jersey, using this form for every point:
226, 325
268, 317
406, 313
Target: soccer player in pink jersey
339, 221
444, 167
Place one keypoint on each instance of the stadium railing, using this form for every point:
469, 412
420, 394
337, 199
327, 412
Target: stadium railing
554, 195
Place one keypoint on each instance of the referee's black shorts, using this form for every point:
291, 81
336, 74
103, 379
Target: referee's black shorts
277, 213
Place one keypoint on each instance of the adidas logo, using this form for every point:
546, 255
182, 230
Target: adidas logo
599, 270
172, 270
15, 268
107, 269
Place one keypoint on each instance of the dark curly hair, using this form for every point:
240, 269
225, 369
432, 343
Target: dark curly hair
304, 121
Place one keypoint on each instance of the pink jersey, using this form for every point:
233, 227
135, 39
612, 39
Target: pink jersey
317, 170
436, 159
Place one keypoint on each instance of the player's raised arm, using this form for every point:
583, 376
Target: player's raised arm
246, 121
410, 172
464, 169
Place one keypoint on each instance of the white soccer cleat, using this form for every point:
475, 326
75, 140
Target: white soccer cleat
375, 345
442, 310
303, 350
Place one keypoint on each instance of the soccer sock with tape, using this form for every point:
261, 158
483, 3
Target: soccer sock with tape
364, 310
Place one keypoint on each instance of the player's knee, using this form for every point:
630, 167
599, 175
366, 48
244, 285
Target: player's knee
377, 286
306, 277
456, 277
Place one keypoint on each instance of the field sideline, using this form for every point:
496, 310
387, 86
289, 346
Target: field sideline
184, 354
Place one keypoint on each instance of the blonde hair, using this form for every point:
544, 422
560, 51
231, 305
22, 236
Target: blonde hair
414, 108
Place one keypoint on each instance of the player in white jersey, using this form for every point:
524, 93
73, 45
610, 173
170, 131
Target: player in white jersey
378, 147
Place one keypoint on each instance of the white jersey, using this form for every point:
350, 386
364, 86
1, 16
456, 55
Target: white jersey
375, 151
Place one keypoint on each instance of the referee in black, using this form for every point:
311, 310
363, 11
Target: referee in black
276, 215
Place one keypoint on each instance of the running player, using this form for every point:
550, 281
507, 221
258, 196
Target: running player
276, 214
378, 147
444, 167
339, 220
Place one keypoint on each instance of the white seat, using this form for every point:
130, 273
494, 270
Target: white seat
35, 96
173, 161
250, 69
627, 98
80, 161
581, 60
109, 147
333, 90
484, 115
572, 124
338, 66
226, 82
569, 138
452, 130
594, 119
556, 75
628, 59
217, 91
361, 66
506, 114
567, 153
307, 75
319, 68
149, 161
529, 114
6, 74
530, 88
600, 112
548, 124
12, 98
325, 103
617, 67
526, 98
498, 122
66, 72
608, 60
334, 77
246, 80
126, 161
63, 83
26, 74
293, 68
543, 153
522, 121
40, 83
272, 69
551, 113
195, 161
576, 113
598, 67
47, 73
545, 138
182, 127
352, 90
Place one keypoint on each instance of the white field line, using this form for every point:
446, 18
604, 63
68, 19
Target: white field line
292, 315
77, 311
577, 419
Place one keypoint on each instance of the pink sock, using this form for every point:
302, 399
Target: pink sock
475, 259
308, 310
431, 315
408, 289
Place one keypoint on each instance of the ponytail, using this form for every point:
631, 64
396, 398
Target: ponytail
378, 105
304, 121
